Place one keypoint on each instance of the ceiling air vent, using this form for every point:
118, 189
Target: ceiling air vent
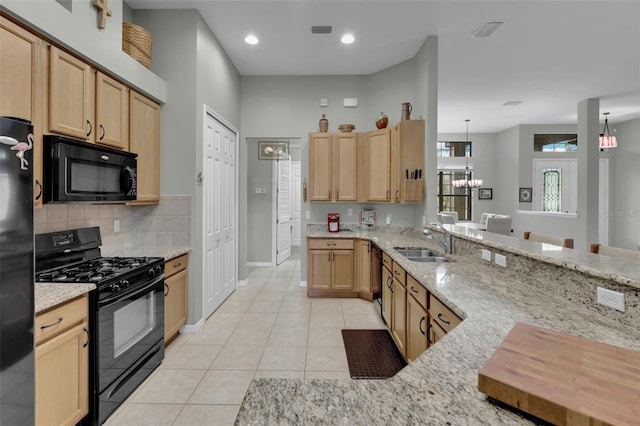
321, 29
487, 29
512, 103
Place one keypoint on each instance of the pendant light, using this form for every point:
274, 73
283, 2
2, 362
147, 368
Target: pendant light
466, 182
606, 140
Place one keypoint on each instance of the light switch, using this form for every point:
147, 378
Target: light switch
116, 226
324, 102
307, 214
258, 190
349, 212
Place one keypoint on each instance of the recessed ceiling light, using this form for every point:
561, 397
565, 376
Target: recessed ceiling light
348, 38
251, 39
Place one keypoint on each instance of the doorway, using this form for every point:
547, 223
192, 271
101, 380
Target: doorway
219, 186
282, 204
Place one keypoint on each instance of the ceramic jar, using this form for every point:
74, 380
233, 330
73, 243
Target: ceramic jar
323, 124
382, 121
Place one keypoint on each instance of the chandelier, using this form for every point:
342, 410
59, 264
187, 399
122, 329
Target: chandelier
606, 140
466, 182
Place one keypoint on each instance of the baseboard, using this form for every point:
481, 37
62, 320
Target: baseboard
303, 283
190, 329
260, 264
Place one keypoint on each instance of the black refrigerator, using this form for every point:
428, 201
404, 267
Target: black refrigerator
17, 363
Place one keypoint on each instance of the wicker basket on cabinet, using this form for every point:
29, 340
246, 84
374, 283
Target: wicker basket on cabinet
136, 42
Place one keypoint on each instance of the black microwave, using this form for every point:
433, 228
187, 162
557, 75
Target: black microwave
77, 171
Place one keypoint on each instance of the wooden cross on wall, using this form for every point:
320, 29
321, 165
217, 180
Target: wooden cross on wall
103, 12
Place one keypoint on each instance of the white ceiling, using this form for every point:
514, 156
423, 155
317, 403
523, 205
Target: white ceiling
548, 54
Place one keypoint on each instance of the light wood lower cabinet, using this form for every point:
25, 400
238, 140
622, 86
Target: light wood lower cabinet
330, 268
62, 364
363, 269
175, 296
417, 318
387, 296
399, 309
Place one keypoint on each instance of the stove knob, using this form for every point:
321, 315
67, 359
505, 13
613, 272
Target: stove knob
115, 287
158, 269
151, 272
124, 283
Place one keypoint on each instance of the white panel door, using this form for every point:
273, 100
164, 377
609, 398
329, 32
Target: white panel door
296, 202
219, 274
283, 210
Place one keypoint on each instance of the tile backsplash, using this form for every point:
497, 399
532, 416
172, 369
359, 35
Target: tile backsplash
167, 224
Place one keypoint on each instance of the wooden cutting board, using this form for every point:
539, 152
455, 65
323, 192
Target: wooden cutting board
564, 379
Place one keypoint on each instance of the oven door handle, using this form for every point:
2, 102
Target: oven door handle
144, 289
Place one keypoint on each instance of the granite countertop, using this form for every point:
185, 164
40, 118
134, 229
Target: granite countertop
440, 386
48, 295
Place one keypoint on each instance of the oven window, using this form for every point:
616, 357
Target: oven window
133, 322
90, 177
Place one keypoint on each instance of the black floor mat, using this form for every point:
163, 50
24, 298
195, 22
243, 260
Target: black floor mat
372, 354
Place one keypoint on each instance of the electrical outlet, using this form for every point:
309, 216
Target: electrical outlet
389, 219
258, 190
307, 214
610, 298
349, 212
501, 260
116, 226
486, 255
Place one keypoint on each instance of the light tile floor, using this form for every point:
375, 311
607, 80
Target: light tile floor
267, 328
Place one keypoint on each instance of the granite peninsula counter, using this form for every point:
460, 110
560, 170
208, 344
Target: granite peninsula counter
440, 387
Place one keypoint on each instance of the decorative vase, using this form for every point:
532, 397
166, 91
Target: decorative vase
382, 121
323, 124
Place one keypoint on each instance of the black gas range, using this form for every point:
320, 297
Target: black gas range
126, 311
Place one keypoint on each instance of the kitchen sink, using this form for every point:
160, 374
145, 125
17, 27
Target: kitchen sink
421, 255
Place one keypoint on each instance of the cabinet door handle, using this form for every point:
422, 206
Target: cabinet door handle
387, 195
429, 334
420, 326
330, 196
337, 195
88, 337
177, 265
389, 279
103, 132
396, 273
166, 287
441, 318
39, 192
331, 244
44, 327
398, 195
90, 128
413, 289
368, 248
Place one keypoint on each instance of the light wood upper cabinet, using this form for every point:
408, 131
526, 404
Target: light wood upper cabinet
62, 364
407, 155
22, 82
378, 166
71, 95
333, 166
112, 112
144, 140
85, 103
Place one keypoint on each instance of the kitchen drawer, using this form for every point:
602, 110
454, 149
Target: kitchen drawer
442, 315
417, 291
386, 261
330, 244
175, 265
399, 274
59, 319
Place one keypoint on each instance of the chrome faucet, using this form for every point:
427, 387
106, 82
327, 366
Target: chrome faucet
447, 244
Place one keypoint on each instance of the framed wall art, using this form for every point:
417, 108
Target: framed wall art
485, 193
526, 195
